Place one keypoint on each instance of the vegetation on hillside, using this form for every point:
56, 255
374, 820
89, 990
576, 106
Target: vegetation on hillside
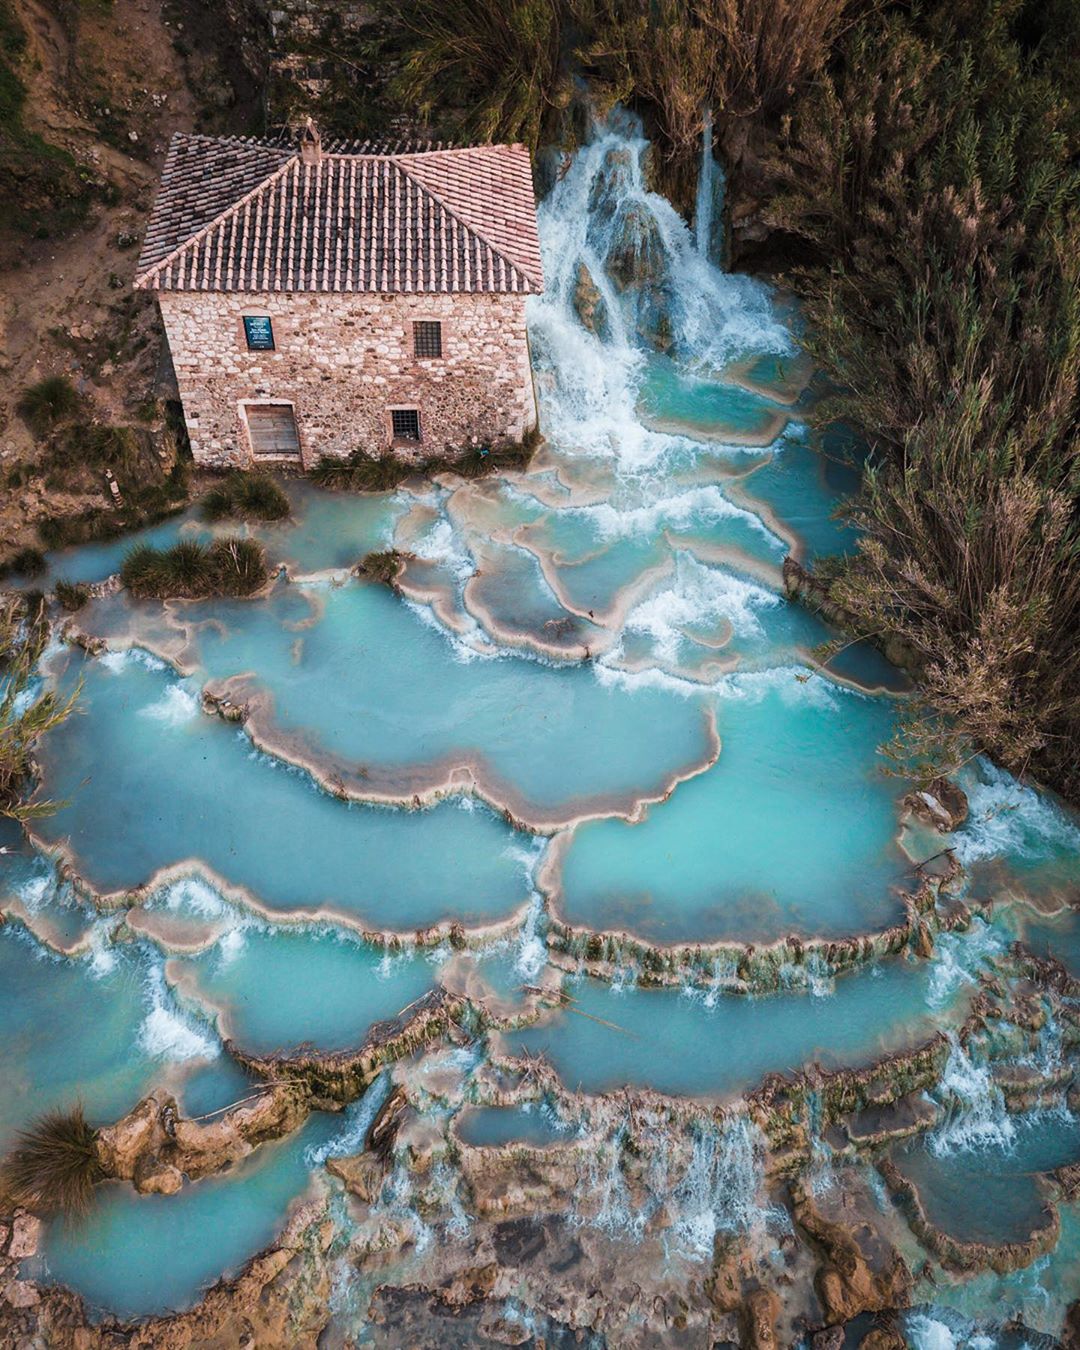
384, 566
26, 712
192, 570
76, 453
42, 189
931, 176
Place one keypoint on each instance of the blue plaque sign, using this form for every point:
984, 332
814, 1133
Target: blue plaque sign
259, 332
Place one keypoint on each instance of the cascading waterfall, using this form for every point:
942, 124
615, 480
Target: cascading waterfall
975, 1106
624, 274
719, 1191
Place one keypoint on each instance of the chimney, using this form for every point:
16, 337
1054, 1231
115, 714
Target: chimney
310, 143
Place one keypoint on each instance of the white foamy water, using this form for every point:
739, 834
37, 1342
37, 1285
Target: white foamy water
193, 895
176, 706
719, 1190
166, 1032
699, 597
697, 507
958, 959
975, 1107
1007, 819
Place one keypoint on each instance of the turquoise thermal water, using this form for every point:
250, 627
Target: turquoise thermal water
610, 1037
67, 1033
356, 985
491, 1126
140, 1254
739, 851
992, 1194
189, 786
372, 684
649, 531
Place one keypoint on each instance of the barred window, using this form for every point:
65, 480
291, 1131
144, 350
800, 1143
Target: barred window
405, 424
427, 338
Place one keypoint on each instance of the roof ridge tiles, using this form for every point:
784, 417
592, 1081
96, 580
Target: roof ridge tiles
430, 217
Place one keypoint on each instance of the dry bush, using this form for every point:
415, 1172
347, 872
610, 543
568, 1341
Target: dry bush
54, 1166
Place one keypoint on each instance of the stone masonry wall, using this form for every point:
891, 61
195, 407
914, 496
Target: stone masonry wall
344, 361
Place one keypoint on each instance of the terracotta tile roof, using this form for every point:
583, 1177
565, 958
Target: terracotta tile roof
238, 215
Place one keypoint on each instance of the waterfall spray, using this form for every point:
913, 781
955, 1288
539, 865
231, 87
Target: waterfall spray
703, 207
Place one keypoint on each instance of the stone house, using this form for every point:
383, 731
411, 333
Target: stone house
319, 300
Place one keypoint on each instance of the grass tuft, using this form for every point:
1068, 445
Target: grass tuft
28, 562
363, 472
54, 1167
71, 595
49, 401
383, 566
246, 496
193, 571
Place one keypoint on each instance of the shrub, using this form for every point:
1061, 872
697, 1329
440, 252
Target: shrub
49, 401
28, 562
506, 61
72, 595
65, 531
246, 496
54, 1166
385, 566
191, 570
931, 175
362, 472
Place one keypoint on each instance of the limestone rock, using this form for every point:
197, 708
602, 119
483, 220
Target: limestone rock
847, 1281
1068, 1179
21, 1293
1070, 1335
26, 1232
883, 1338
120, 1146
362, 1174
831, 1338
924, 941
589, 303
758, 1320
941, 804
155, 1177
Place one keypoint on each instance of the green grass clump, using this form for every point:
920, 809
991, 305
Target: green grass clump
72, 595
246, 496
54, 1167
192, 571
49, 401
361, 472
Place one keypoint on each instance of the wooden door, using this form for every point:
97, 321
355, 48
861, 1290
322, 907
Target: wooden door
272, 428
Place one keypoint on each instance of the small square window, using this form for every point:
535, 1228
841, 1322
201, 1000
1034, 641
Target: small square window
405, 424
259, 332
427, 339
